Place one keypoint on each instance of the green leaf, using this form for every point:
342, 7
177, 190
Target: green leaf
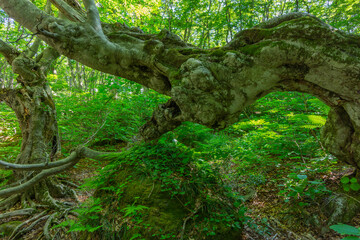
302, 177
353, 180
346, 188
136, 235
93, 229
345, 180
355, 186
351, 238
345, 229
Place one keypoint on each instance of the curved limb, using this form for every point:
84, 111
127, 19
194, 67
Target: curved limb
74, 157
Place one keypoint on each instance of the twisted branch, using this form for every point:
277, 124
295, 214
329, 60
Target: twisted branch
55, 168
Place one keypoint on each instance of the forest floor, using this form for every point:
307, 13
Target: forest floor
272, 218
276, 219
268, 157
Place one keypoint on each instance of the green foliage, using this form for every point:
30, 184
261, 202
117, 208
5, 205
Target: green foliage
133, 210
297, 188
10, 141
275, 132
344, 229
192, 169
156, 187
105, 118
5, 176
88, 214
350, 184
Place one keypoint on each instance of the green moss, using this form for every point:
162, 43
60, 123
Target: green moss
152, 46
306, 20
256, 35
175, 78
174, 58
162, 34
152, 189
6, 229
253, 49
161, 214
218, 53
193, 51
121, 37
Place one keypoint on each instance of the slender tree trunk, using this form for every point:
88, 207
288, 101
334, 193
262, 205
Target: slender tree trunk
228, 21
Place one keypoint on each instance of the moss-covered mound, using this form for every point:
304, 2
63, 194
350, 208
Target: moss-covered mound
161, 191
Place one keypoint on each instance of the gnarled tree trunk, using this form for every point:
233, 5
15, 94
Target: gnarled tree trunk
36, 114
295, 52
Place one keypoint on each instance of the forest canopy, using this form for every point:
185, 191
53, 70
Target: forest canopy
188, 108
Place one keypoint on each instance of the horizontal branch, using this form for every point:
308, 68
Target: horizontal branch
81, 152
46, 173
42, 166
38, 166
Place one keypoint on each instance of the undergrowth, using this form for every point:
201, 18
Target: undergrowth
161, 191
206, 177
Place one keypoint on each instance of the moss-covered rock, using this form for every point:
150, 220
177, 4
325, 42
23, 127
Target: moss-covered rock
161, 192
341, 209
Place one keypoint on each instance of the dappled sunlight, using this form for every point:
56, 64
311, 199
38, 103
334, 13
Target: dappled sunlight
154, 156
10, 134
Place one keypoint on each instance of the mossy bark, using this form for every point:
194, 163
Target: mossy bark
35, 110
6, 229
36, 114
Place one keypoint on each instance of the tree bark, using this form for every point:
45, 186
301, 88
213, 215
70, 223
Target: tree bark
36, 114
33, 105
295, 52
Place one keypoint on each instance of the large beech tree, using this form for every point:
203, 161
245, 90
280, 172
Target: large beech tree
35, 110
294, 52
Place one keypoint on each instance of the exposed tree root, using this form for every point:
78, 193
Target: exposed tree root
38, 190
69, 183
9, 202
55, 212
21, 212
47, 225
21, 230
